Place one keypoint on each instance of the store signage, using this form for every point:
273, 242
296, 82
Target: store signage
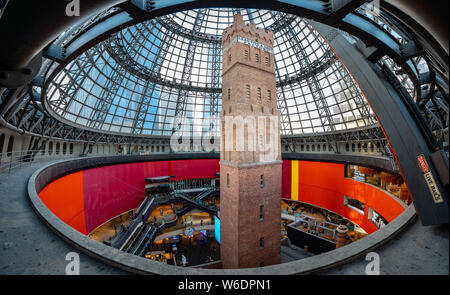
360, 176
429, 179
423, 164
156, 252
248, 42
217, 229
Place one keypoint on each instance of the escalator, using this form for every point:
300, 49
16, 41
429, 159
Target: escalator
194, 203
211, 192
130, 242
146, 237
139, 236
127, 238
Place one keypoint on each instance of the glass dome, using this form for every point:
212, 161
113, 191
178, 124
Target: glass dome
141, 78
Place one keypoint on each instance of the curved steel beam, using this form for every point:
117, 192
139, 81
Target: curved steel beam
402, 129
431, 15
27, 27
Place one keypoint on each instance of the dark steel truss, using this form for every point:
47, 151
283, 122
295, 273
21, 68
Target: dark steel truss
30, 119
186, 75
316, 89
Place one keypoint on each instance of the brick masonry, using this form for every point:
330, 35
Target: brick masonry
240, 171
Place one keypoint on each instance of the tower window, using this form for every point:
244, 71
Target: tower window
246, 54
247, 91
269, 95
261, 213
259, 93
229, 93
257, 57
267, 61
261, 181
228, 180
261, 243
229, 58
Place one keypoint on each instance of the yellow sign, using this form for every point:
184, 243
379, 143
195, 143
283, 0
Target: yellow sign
429, 179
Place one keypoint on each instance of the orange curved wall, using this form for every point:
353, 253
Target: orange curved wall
84, 200
324, 185
64, 197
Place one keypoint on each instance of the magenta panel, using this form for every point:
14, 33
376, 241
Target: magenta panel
111, 190
190, 169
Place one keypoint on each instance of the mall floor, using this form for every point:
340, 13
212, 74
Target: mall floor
196, 249
28, 246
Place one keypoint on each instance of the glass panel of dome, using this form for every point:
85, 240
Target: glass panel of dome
144, 44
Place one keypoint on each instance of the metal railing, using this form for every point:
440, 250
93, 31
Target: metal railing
311, 225
17, 159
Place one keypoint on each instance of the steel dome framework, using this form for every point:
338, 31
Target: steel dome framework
141, 78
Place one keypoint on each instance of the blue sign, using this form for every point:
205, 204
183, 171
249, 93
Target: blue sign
217, 228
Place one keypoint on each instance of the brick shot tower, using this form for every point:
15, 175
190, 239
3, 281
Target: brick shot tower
250, 178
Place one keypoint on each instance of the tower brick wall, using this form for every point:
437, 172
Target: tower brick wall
249, 178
